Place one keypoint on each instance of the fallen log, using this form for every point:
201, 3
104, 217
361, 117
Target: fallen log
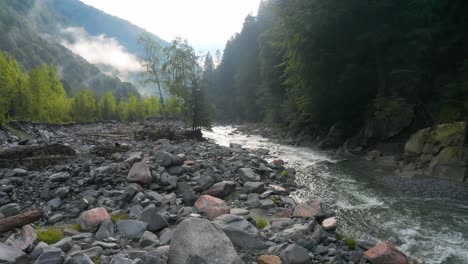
34, 151
20, 220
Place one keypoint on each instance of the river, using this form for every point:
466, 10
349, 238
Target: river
425, 218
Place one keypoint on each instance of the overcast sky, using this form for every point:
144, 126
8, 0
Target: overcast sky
207, 24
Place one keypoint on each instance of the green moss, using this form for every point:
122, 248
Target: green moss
119, 216
261, 222
349, 241
275, 199
76, 227
49, 235
96, 260
452, 134
284, 173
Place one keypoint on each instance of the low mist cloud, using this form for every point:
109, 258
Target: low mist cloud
101, 50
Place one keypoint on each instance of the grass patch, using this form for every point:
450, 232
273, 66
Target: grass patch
96, 260
261, 222
275, 199
49, 235
284, 173
120, 216
75, 227
349, 241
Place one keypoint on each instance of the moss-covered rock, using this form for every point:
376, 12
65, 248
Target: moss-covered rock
450, 164
452, 134
415, 144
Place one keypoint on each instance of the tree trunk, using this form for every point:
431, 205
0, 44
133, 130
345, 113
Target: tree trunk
20, 220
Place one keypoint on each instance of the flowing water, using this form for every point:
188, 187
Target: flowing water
425, 218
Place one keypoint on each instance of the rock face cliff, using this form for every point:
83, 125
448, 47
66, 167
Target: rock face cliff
439, 152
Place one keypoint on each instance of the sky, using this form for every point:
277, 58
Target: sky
207, 24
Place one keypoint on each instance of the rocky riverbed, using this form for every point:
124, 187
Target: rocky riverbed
118, 193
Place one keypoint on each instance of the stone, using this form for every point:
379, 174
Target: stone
385, 253
278, 162
308, 209
295, 254
62, 192
131, 229
163, 158
10, 209
450, 164
452, 134
247, 174
140, 173
93, 252
79, 258
242, 234
221, 189
106, 230
64, 244
211, 206
188, 196
415, 144
152, 195
12, 255
23, 238
55, 203
166, 236
269, 259
38, 250
204, 183
60, 177
198, 241
156, 222
92, 219
148, 240
235, 145
118, 259
254, 187
129, 192
239, 211
51, 256
329, 224
175, 170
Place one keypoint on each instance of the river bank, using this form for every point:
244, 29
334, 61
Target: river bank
123, 198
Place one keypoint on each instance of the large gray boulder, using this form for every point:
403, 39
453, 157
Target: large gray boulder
197, 241
241, 233
247, 174
11, 255
131, 229
295, 254
164, 158
221, 189
51, 256
156, 222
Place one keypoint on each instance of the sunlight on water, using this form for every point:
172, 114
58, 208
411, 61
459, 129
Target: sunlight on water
371, 205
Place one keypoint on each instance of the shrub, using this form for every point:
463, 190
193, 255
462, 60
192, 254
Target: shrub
49, 235
261, 222
119, 216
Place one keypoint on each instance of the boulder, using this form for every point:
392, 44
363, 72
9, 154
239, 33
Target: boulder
106, 230
92, 219
385, 253
254, 187
164, 158
308, 209
131, 229
221, 189
247, 174
51, 256
242, 234
12, 255
140, 173
269, 259
188, 196
452, 134
23, 238
198, 241
60, 177
329, 224
79, 258
156, 222
205, 182
415, 143
450, 164
148, 240
211, 206
295, 254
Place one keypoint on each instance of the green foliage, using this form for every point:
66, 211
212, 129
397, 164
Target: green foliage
49, 235
120, 216
275, 199
284, 173
261, 222
76, 227
96, 259
349, 241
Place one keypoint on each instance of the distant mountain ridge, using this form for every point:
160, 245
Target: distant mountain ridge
47, 31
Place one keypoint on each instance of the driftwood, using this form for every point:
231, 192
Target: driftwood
109, 150
35, 156
20, 220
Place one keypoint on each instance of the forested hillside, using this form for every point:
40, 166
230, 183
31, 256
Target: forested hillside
303, 63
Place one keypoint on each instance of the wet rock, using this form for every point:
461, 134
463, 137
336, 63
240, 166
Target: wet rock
221, 189
211, 206
242, 234
268, 259
198, 241
308, 209
384, 253
60, 177
23, 238
140, 173
12, 255
51, 256
235, 145
106, 230
131, 229
329, 224
91, 219
295, 254
156, 222
247, 174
